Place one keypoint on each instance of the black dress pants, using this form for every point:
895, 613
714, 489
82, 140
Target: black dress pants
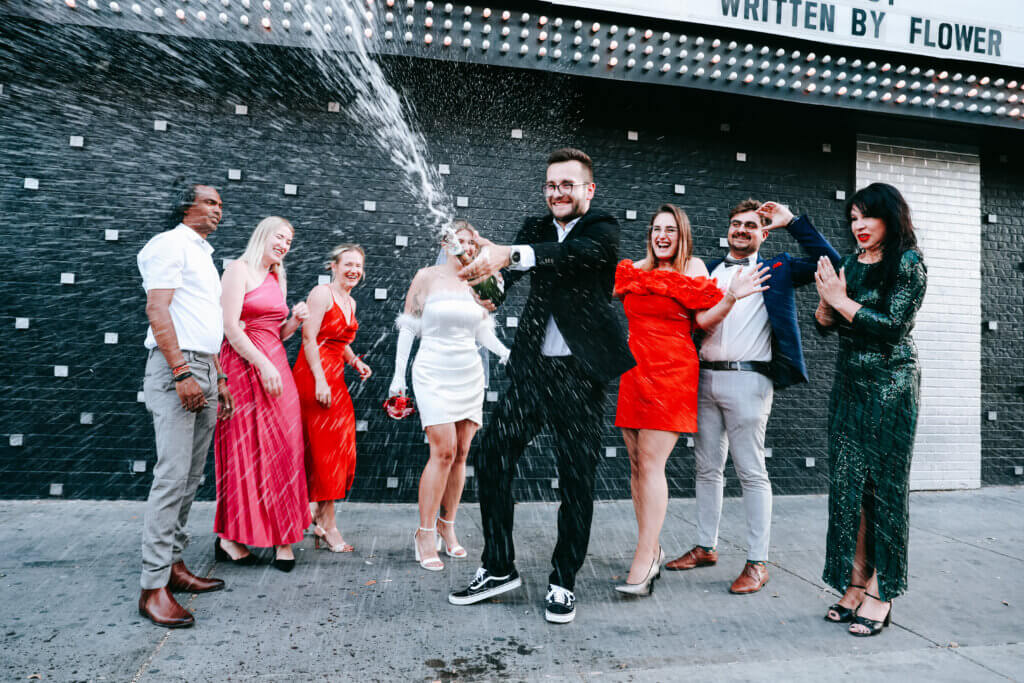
560, 396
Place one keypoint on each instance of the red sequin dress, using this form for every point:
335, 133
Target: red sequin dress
330, 432
261, 480
661, 391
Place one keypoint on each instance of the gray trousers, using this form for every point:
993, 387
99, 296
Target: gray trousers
732, 414
182, 442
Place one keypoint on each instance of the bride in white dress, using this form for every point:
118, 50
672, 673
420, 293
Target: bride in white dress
448, 383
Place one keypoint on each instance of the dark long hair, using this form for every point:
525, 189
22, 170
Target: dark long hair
184, 198
883, 201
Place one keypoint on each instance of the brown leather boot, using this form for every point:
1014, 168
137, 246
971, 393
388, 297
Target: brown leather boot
160, 607
752, 579
695, 557
184, 580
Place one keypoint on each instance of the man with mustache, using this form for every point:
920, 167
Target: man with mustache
568, 347
183, 387
753, 351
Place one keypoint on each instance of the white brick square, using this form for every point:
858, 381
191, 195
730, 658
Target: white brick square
942, 184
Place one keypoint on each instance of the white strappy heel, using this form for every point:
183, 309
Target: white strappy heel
431, 564
456, 551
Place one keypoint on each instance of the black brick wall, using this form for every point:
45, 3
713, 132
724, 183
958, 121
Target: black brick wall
1002, 301
109, 87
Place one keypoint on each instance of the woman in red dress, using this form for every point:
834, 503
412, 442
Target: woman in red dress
665, 295
328, 420
261, 482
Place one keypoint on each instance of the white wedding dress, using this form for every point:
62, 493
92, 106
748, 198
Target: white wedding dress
448, 374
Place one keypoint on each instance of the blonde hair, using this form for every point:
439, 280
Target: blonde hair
253, 254
460, 225
684, 250
343, 248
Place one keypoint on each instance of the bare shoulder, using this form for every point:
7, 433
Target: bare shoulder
321, 294
696, 268
236, 271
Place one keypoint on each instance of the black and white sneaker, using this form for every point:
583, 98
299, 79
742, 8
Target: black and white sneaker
485, 585
560, 605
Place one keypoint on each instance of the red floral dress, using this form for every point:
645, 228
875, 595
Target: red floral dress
661, 391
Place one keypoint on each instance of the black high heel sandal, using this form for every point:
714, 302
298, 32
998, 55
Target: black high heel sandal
282, 564
846, 614
874, 627
220, 554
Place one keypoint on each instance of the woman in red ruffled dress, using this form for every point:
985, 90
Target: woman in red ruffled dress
665, 296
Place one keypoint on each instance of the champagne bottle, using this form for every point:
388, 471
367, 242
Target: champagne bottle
493, 288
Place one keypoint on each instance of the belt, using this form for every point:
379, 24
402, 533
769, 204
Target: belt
762, 366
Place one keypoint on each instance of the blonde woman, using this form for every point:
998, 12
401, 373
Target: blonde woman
666, 296
261, 481
448, 378
328, 420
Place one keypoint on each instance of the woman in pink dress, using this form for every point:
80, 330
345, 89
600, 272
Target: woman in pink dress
261, 480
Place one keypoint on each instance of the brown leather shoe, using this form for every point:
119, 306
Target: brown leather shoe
751, 579
695, 557
184, 580
160, 607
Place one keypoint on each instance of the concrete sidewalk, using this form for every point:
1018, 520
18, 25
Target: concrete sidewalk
69, 577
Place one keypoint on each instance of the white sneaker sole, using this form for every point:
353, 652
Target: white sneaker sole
559, 618
484, 595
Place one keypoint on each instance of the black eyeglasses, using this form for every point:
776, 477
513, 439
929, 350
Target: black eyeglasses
564, 187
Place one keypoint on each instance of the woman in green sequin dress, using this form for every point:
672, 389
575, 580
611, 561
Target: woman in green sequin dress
873, 409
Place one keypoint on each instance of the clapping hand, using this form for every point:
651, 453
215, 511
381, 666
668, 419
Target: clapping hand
777, 215
749, 281
831, 285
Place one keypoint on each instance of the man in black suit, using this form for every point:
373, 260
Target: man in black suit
568, 347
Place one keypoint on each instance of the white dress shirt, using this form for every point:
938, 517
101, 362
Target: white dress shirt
179, 259
746, 332
554, 343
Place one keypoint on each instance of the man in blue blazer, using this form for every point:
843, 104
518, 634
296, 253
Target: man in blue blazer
753, 351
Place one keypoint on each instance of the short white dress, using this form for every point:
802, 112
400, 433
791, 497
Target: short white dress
448, 374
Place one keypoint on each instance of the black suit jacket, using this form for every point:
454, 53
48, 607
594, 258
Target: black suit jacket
572, 280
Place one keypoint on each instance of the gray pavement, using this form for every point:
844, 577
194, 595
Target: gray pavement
69, 587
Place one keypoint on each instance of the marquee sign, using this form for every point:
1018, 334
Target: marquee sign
989, 31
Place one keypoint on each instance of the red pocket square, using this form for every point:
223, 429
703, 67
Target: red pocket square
776, 265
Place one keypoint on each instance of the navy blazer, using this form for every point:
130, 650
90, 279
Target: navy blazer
788, 273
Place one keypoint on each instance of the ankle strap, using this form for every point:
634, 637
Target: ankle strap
875, 597
446, 521
863, 588
433, 528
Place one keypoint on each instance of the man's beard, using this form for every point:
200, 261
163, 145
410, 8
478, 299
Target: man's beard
574, 212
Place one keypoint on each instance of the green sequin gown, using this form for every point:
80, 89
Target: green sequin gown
872, 419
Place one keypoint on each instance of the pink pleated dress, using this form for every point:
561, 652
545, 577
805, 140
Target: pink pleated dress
261, 477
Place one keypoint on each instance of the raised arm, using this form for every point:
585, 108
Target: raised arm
743, 284
598, 249
814, 245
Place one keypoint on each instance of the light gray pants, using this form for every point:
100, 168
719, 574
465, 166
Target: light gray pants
732, 414
182, 442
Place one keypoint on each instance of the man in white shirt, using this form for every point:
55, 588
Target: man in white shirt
183, 387
569, 345
753, 351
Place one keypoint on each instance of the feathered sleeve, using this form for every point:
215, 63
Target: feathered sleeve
694, 293
413, 323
